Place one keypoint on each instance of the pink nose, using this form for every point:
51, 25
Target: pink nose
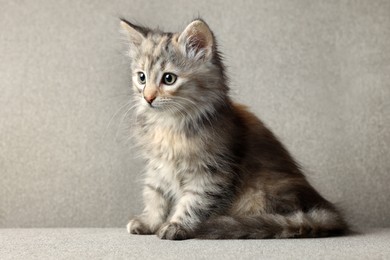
150, 99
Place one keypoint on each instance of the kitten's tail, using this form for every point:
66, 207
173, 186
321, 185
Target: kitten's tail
315, 223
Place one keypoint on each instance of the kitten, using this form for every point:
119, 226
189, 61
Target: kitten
213, 170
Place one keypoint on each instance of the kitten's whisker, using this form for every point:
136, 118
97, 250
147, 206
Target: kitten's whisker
113, 116
186, 99
202, 112
123, 118
178, 109
182, 109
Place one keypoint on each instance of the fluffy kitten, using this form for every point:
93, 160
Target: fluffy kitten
213, 170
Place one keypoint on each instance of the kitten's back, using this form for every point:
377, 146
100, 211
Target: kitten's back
273, 198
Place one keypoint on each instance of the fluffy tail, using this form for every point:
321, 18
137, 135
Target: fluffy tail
315, 223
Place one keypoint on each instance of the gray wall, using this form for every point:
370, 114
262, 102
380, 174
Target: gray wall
317, 72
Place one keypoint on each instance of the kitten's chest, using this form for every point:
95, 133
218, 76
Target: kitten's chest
172, 146
172, 158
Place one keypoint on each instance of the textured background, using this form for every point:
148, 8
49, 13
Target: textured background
317, 73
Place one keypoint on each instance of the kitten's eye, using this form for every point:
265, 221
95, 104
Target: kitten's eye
169, 78
141, 78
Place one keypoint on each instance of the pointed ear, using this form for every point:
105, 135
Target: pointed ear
197, 40
135, 33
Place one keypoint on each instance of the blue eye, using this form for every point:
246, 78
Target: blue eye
169, 78
141, 78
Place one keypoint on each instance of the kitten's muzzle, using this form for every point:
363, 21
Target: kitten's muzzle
150, 99
149, 93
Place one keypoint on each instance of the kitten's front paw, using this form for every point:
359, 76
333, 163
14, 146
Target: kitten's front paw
173, 231
136, 226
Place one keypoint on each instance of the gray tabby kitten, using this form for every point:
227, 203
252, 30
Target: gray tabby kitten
213, 170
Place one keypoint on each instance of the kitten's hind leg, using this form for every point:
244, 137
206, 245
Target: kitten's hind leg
154, 214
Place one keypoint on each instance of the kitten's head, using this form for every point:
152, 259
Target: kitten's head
177, 74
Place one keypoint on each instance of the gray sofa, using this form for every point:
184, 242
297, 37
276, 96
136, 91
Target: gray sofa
316, 72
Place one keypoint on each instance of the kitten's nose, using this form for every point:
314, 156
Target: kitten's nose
150, 99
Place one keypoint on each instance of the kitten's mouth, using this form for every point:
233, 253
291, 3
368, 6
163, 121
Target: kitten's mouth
149, 104
154, 106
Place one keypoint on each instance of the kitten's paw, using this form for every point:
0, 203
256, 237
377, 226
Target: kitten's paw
136, 226
173, 231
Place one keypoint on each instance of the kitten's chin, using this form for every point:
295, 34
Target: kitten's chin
153, 109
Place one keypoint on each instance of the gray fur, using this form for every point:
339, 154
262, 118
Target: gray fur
213, 170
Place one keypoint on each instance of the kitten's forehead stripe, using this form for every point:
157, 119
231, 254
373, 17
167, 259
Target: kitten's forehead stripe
148, 46
157, 52
159, 47
168, 42
163, 64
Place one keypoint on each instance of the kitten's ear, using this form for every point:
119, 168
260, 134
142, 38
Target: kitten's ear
197, 40
136, 34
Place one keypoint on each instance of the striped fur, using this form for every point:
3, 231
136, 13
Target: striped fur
213, 170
